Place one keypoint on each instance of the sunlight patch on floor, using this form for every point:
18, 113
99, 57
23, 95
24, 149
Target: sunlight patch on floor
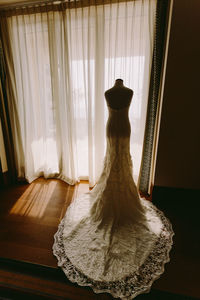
34, 200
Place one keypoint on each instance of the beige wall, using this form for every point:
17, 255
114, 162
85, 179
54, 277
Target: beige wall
178, 158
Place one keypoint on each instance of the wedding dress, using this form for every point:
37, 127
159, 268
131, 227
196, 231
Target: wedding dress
110, 239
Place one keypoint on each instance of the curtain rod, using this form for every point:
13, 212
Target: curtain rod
32, 3
18, 7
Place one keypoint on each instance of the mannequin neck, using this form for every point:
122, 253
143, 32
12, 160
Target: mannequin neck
119, 82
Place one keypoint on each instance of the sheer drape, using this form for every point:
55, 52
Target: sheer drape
63, 62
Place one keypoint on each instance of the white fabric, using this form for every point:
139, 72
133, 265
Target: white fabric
64, 61
110, 239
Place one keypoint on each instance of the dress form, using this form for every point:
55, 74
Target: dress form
118, 96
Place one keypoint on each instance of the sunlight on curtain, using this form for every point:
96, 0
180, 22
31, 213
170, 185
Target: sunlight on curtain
64, 61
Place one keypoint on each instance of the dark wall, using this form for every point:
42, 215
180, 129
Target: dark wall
178, 159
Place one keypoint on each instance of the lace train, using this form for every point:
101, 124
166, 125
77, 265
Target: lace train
137, 282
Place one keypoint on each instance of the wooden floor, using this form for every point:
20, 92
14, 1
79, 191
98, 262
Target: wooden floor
30, 214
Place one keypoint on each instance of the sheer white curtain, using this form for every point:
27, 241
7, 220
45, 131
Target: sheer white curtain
63, 63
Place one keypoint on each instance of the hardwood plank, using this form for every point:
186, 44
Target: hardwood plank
30, 215
42, 287
26, 253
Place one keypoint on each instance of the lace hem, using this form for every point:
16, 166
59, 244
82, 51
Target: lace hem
132, 285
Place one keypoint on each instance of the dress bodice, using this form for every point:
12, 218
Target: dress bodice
118, 124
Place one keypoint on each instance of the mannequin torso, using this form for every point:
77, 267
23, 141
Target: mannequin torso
119, 96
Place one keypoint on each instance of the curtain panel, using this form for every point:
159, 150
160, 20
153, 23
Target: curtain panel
151, 130
61, 61
6, 134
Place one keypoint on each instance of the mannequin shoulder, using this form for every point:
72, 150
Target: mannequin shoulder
129, 91
119, 90
108, 92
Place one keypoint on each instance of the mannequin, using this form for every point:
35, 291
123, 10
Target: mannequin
119, 96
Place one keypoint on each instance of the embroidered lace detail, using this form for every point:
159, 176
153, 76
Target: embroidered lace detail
130, 286
110, 239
